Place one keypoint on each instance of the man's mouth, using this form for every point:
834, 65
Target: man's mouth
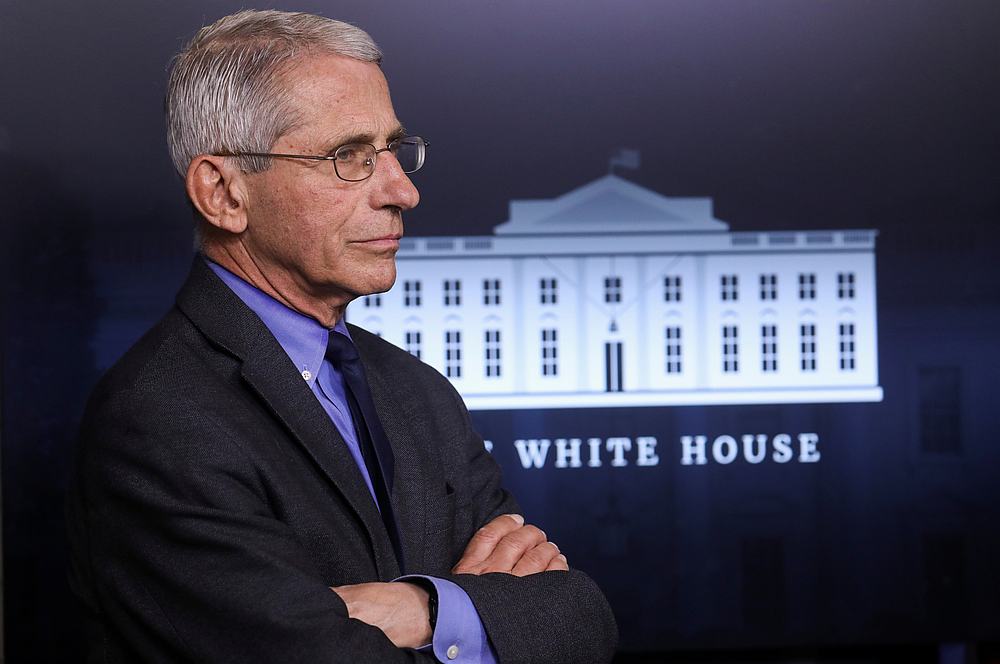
384, 242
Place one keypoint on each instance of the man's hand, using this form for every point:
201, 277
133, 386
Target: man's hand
506, 544
399, 609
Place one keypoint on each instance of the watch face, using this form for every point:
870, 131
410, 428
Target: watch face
432, 607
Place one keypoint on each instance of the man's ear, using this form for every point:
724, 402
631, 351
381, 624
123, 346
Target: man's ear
218, 191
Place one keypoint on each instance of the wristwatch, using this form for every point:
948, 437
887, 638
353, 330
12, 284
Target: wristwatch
432, 598
432, 606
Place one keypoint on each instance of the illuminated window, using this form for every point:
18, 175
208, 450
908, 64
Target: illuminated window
612, 290
550, 353
671, 289
845, 285
730, 288
807, 346
411, 293
768, 287
730, 348
547, 289
491, 292
492, 349
673, 335
453, 354
413, 343
807, 285
846, 337
769, 348
452, 292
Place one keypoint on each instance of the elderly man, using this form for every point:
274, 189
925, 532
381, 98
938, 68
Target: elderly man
257, 480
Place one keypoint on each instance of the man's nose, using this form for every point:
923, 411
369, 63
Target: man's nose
393, 186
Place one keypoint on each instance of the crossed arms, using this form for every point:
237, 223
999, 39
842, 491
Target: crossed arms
505, 545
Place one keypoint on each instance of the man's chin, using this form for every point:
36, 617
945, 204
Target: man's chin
379, 284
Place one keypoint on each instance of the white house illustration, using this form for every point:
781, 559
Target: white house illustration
613, 295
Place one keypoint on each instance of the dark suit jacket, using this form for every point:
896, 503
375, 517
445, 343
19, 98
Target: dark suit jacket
214, 504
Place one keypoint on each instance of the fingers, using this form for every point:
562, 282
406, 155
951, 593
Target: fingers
485, 541
536, 559
513, 547
508, 545
558, 564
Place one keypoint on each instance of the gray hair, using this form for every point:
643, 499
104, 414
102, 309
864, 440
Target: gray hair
226, 91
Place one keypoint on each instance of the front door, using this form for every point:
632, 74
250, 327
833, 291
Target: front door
613, 366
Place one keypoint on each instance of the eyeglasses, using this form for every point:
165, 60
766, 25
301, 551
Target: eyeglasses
355, 162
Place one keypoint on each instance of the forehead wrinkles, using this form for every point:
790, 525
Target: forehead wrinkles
339, 97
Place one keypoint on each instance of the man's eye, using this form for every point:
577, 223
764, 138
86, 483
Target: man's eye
350, 153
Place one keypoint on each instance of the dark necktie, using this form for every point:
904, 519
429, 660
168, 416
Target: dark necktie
374, 444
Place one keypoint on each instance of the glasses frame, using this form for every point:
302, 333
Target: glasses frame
395, 143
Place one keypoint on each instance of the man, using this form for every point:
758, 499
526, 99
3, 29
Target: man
258, 481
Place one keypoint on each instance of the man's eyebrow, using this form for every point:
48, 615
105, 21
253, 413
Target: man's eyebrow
398, 132
363, 137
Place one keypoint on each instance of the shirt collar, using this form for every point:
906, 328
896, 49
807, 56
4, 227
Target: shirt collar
302, 338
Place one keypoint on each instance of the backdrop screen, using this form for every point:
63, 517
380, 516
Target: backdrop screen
716, 280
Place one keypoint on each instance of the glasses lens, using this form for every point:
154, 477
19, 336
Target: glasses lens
410, 153
354, 161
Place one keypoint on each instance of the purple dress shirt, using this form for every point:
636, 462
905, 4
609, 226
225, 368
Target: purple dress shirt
459, 635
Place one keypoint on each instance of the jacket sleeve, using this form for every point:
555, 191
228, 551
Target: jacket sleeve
547, 617
176, 550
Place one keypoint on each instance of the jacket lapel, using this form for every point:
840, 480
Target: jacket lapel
409, 488
224, 319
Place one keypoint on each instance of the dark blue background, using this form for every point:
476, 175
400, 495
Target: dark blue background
790, 114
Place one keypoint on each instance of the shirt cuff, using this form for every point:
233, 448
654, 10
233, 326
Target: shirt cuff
459, 636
